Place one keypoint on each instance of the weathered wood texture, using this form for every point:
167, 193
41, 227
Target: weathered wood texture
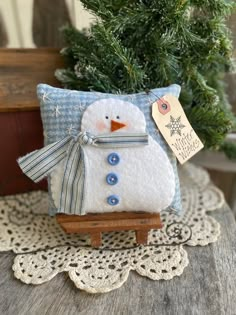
207, 287
20, 133
20, 124
21, 70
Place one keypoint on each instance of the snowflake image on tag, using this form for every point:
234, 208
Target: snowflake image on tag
173, 124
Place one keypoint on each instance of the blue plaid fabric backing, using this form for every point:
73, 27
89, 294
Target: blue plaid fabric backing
62, 110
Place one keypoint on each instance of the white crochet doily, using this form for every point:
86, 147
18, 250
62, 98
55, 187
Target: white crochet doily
43, 250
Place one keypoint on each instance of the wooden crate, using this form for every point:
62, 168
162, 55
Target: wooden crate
20, 123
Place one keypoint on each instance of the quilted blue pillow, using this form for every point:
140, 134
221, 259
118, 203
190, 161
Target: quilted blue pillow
62, 112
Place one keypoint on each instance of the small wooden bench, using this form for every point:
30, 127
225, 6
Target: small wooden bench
95, 224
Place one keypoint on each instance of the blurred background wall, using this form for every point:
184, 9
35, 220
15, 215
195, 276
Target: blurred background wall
34, 23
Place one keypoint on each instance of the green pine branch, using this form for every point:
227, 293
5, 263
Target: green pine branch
136, 45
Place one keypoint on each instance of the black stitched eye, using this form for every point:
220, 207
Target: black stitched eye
117, 117
107, 117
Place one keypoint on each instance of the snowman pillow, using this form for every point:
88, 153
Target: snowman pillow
103, 153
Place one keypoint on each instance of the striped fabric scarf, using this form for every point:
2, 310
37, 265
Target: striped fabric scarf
41, 163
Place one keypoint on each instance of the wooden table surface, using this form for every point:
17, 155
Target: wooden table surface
207, 286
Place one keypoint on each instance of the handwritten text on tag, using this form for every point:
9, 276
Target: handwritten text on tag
173, 124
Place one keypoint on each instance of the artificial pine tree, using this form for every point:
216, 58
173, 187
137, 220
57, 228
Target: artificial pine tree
137, 45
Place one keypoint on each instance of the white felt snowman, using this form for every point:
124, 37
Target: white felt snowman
121, 179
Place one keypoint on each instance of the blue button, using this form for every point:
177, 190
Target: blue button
112, 179
113, 158
113, 200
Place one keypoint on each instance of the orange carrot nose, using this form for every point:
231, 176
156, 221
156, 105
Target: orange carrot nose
115, 125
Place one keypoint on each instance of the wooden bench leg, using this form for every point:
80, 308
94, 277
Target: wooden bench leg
141, 236
96, 239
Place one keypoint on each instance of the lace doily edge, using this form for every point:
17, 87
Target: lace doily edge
221, 198
122, 276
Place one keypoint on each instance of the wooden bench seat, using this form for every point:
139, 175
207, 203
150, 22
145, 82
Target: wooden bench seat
95, 224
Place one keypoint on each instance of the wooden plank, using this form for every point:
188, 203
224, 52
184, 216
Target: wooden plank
21, 70
207, 286
106, 226
95, 224
105, 222
105, 216
24, 134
